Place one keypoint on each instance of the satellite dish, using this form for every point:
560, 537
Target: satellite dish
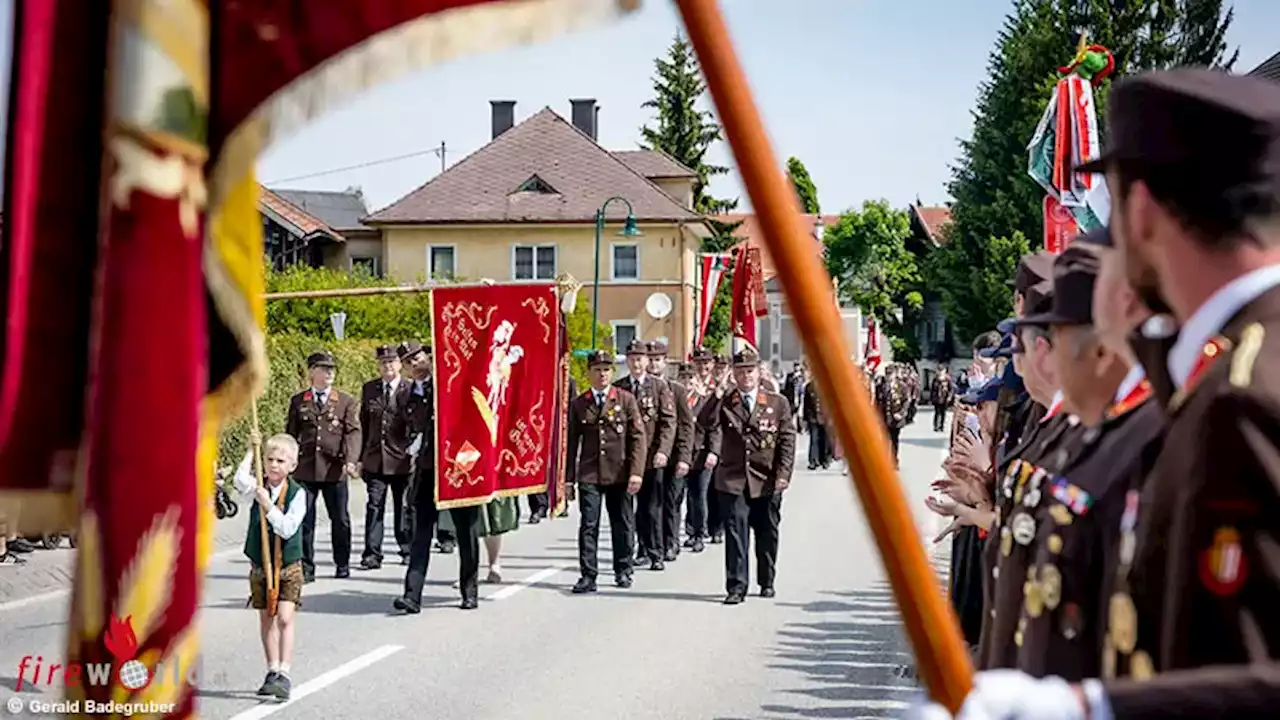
658, 305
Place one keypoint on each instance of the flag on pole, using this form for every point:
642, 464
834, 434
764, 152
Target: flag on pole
871, 360
749, 301
713, 268
199, 90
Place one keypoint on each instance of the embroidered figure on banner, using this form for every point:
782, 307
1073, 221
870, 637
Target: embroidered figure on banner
502, 358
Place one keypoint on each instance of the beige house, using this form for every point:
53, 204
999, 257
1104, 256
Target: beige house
523, 207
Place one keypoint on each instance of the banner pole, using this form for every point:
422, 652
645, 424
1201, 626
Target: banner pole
942, 662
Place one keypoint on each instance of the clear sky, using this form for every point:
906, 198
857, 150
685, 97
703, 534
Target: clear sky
872, 95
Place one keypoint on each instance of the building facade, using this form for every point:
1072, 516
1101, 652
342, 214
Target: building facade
523, 208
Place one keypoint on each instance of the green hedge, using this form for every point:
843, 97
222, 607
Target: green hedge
287, 355
373, 317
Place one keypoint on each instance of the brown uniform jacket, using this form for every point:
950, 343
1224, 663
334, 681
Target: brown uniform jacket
328, 436
813, 411
657, 411
611, 439
386, 442
1205, 578
1064, 601
1019, 490
702, 406
755, 450
418, 415
682, 447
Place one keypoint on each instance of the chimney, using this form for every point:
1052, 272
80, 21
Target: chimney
584, 116
504, 116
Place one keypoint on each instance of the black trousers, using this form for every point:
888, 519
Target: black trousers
649, 515
939, 417
336, 499
622, 525
539, 504
819, 447
698, 484
744, 517
425, 519
715, 512
375, 513
672, 510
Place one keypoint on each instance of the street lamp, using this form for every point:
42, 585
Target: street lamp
629, 230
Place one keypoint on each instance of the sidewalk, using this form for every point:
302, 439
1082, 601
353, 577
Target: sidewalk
51, 571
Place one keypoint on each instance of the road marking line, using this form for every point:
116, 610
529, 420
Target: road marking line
55, 594
321, 682
533, 579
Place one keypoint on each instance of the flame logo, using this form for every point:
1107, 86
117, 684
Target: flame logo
120, 640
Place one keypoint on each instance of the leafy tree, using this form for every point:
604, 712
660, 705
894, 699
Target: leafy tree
686, 131
805, 189
392, 317
867, 253
997, 205
578, 327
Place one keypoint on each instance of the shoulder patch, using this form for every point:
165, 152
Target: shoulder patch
1246, 355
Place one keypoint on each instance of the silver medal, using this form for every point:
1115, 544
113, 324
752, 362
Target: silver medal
1032, 498
1024, 529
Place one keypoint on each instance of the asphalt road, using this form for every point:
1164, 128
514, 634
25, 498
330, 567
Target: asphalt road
829, 644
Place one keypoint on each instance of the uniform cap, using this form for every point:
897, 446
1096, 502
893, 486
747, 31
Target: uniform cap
637, 347
657, 348
321, 359
385, 352
600, 357
746, 358
1074, 274
409, 348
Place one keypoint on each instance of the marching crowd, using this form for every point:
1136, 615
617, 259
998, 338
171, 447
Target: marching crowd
1114, 481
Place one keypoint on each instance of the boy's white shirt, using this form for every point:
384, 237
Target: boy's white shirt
284, 524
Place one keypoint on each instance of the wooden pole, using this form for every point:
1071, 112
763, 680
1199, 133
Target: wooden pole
268, 567
942, 662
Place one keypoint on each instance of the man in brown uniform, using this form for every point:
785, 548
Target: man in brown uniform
605, 425
1194, 173
700, 518
384, 462
326, 423
755, 441
681, 454
658, 411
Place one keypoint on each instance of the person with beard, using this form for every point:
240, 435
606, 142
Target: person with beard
658, 411
681, 454
1194, 173
418, 416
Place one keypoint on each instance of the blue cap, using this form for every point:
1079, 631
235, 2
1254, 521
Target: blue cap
1003, 350
1005, 326
986, 392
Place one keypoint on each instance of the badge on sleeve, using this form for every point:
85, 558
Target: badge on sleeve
1223, 567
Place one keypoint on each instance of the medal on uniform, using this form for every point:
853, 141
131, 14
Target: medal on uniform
1051, 586
1024, 528
1032, 497
1061, 514
1070, 621
1140, 666
1006, 541
1123, 630
1032, 595
1055, 542
1018, 636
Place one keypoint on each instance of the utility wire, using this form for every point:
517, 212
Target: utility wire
437, 151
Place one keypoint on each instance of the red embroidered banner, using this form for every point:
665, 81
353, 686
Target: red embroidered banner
496, 364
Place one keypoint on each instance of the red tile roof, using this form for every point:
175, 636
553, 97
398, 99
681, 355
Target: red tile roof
934, 219
482, 188
307, 223
750, 233
654, 164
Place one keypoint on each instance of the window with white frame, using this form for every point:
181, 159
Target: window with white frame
364, 264
624, 331
442, 262
533, 262
626, 261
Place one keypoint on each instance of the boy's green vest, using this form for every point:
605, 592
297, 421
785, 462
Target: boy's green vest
291, 549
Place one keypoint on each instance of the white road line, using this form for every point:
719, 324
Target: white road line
56, 594
321, 682
533, 579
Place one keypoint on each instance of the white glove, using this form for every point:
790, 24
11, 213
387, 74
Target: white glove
1014, 695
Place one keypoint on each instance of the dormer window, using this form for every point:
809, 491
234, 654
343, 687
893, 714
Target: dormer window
536, 184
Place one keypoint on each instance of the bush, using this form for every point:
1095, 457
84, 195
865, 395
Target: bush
287, 358
578, 328
400, 316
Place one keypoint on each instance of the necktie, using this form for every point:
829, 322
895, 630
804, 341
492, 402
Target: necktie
599, 399
386, 394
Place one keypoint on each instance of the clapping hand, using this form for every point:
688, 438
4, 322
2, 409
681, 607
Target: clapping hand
972, 449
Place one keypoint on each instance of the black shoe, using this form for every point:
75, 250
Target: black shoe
404, 558
672, 555
370, 563
767, 591
689, 541
282, 687
9, 557
657, 566
534, 519
407, 605
812, 466
735, 598
698, 546
446, 547
717, 538
584, 585
342, 572
269, 684
308, 577
469, 602
21, 546
564, 512
622, 580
